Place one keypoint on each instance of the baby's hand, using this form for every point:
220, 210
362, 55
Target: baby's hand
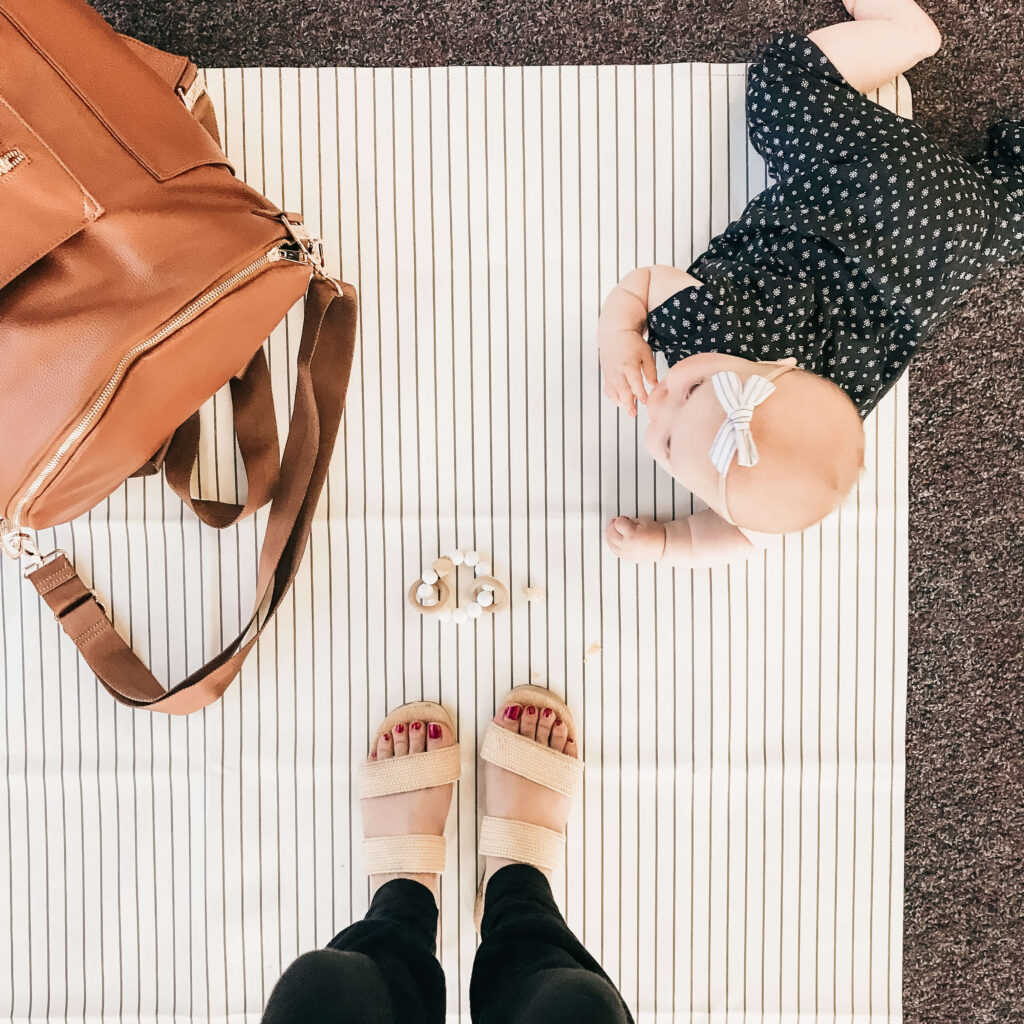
626, 359
636, 540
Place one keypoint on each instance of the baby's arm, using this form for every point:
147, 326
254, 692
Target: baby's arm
626, 358
699, 541
886, 39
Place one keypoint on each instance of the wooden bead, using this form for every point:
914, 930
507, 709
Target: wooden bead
443, 566
534, 593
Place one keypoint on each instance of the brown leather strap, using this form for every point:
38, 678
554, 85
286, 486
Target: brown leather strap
155, 462
256, 430
324, 365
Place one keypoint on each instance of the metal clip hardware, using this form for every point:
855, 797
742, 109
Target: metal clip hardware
19, 543
190, 97
312, 247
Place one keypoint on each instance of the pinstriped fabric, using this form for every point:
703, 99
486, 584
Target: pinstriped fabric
734, 853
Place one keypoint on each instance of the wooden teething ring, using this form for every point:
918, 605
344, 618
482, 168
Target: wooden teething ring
499, 589
444, 596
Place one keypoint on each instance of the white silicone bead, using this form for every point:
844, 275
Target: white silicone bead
471, 558
423, 591
459, 616
487, 587
429, 577
457, 556
483, 569
474, 611
429, 602
485, 598
445, 615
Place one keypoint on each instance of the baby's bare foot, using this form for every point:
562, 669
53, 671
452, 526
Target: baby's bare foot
511, 796
636, 540
421, 812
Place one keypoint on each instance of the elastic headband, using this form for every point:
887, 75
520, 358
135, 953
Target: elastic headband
734, 437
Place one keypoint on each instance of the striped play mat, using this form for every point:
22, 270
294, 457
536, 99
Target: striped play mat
737, 852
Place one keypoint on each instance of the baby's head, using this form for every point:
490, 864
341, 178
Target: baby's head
808, 434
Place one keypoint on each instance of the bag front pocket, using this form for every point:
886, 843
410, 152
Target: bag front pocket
41, 202
53, 47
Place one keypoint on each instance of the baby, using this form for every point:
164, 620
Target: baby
805, 311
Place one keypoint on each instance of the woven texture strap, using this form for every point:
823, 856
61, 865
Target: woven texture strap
416, 855
411, 772
522, 842
529, 759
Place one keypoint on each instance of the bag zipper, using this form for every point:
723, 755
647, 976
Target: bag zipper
187, 314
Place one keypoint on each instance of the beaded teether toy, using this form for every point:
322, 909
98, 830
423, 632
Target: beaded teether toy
432, 594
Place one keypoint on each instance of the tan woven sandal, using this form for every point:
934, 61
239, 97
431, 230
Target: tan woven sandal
413, 854
519, 840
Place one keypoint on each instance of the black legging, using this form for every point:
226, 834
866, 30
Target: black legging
382, 970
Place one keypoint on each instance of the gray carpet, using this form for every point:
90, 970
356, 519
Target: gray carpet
964, 910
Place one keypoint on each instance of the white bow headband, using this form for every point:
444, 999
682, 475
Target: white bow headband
738, 401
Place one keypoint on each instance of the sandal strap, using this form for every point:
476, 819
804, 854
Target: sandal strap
410, 772
520, 841
527, 758
414, 855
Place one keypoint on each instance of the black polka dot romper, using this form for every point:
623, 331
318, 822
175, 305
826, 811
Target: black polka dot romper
870, 233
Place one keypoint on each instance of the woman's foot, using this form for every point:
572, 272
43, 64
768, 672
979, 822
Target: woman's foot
511, 796
420, 812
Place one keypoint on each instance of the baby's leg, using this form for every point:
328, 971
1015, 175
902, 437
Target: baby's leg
887, 38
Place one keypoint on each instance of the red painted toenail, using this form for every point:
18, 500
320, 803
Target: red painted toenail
434, 731
547, 712
387, 736
558, 722
416, 726
374, 754
399, 728
512, 713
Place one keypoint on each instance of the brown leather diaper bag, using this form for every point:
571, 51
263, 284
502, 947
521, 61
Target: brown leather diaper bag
138, 275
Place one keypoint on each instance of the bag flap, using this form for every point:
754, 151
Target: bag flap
41, 202
124, 92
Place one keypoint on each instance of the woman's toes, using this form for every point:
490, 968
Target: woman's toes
417, 737
528, 722
559, 734
545, 719
385, 746
438, 736
400, 736
509, 716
